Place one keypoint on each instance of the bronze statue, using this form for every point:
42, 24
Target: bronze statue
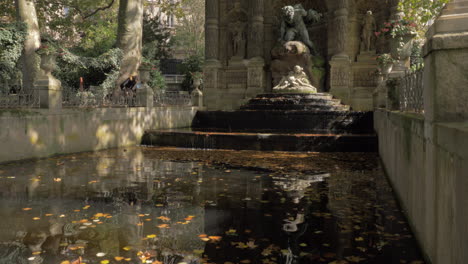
293, 25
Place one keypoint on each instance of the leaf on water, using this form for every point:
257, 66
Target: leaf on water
36, 218
303, 245
151, 236
359, 239
100, 254
27, 209
198, 251
119, 258
215, 238
355, 259
329, 255
339, 262
127, 248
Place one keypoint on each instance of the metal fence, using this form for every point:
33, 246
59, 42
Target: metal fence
172, 98
98, 99
410, 92
20, 100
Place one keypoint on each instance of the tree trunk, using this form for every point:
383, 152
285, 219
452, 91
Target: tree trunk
129, 37
26, 12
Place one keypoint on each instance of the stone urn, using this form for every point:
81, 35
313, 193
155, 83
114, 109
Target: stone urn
386, 68
400, 49
48, 64
145, 75
145, 93
197, 83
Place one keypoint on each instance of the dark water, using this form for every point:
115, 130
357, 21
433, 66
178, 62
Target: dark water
126, 207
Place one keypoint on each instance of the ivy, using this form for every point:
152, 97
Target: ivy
96, 71
12, 36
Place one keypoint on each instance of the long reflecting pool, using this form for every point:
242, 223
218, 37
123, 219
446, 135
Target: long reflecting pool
146, 205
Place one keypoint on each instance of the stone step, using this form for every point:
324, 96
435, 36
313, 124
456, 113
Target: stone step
262, 141
278, 101
309, 107
296, 96
315, 121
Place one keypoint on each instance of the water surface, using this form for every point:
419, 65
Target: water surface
133, 206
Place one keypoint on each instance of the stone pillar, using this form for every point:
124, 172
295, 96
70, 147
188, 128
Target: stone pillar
212, 31
257, 30
340, 63
255, 68
446, 57
256, 78
212, 68
445, 101
47, 88
145, 95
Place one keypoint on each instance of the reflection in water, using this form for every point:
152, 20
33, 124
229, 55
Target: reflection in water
123, 206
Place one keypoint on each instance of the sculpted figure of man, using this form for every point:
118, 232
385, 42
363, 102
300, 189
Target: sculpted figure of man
368, 29
293, 25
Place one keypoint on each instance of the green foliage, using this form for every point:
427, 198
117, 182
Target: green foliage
157, 42
96, 71
417, 60
192, 64
384, 59
157, 81
421, 12
190, 31
70, 20
97, 39
12, 36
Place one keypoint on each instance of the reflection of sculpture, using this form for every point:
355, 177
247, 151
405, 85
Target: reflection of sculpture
296, 80
237, 23
293, 25
368, 29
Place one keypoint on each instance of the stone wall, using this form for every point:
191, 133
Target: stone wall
428, 168
41, 133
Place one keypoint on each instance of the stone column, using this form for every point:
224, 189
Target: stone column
340, 63
212, 31
257, 30
256, 73
212, 68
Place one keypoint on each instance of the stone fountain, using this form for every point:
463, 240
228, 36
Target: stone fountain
295, 116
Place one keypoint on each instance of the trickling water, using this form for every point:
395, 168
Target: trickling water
128, 206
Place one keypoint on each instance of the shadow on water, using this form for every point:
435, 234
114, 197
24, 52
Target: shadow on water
125, 206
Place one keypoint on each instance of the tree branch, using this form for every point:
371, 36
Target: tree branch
95, 11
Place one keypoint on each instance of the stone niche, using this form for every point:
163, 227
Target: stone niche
242, 34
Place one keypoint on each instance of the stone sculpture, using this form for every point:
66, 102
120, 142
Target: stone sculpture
237, 27
295, 82
293, 25
368, 28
